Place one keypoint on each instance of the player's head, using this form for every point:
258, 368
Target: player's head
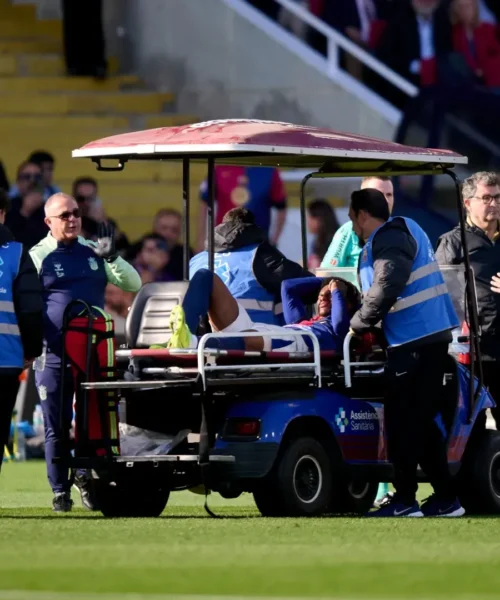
239, 215
368, 210
63, 217
382, 184
349, 291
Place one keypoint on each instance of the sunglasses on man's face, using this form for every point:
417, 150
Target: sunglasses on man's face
67, 214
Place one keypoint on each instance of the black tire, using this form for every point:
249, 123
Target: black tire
300, 484
356, 496
479, 477
116, 501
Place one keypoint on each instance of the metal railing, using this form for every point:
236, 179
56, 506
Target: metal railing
336, 41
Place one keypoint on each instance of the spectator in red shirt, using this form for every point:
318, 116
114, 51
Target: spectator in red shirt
259, 189
476, 41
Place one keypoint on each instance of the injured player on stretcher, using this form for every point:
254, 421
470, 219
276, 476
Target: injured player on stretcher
207, 295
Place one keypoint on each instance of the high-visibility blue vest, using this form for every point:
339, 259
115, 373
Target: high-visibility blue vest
424, 307
11, 348
235, 268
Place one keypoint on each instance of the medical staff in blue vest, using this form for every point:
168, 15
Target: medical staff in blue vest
250, 266
404, 290
70, 268
21, 319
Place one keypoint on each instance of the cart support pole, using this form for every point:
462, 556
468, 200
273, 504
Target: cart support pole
210, 213
186, 215
471, 300
303, 224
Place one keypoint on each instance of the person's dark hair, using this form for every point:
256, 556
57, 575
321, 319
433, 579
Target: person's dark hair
4, 201
322, 210
41, 156
168, 212
239, 215
352, 294
83, 181
25, 164
372, 202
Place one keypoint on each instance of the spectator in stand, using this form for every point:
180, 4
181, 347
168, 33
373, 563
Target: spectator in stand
85, 192
46, 164
84, 46
489, 11
477, 42
289, 21
152, 261
168, 225
117, 303
322, 223
259, 189
415, 39
26, 216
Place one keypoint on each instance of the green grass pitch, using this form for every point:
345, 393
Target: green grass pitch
187, 555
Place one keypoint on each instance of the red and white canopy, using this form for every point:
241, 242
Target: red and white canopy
253, 142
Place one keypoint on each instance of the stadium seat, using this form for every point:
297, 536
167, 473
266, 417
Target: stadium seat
148, 319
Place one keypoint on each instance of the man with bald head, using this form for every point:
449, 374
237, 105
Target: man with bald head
345, 248
70, 268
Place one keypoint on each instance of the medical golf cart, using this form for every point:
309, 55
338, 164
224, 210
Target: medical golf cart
303, 432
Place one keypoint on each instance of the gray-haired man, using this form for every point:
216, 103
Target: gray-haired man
481, 194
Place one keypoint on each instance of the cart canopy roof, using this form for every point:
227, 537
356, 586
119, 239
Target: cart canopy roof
270, 143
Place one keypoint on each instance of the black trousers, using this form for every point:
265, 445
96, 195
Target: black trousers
9, 386
413, 399
84, 48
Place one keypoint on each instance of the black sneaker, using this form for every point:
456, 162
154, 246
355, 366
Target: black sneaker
83, 483
62, 502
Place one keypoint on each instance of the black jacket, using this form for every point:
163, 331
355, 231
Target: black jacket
270, 266
28, 301
394, 250
485, 261
400, 43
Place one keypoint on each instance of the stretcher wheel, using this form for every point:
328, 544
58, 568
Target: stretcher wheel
300, 484
479, 478
129, 500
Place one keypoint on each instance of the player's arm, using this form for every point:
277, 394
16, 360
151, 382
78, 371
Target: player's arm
340, 318
295, 293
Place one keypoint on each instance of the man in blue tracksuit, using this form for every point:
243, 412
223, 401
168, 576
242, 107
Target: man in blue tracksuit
404, 289
21, 320
250, 266
70, 268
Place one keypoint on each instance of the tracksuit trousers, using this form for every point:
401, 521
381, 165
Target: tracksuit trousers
413, 400
57, 443
9, 386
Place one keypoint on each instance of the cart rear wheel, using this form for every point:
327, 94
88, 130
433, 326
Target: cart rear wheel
130, 501
300, 484
479, 477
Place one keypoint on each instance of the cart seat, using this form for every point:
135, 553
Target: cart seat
148, 318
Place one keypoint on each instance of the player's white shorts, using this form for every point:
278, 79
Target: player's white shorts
275, 332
